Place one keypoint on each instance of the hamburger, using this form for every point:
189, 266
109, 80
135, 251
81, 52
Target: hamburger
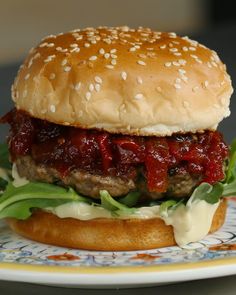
113, 142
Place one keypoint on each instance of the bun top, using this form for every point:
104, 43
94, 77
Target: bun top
124, 81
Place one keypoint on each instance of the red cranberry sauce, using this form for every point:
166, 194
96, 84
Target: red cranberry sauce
66, 148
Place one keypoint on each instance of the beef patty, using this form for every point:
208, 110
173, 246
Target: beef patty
179, 185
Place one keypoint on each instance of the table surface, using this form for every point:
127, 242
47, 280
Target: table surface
219, 39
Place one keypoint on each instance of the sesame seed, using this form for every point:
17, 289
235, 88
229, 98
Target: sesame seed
98, 79
168, 64
173, 49
58, 48
52, 108
209, 64
199, 61
50, 44
101, 51
67, 69
88, 95
113, 50
214, 64
124, 75
49, 58
27, 76
139, 80
172, 35
206, 83
107, 55
194, 56
177, 86
93, 57
113, 55
86, 45
113, 62
43, 44
178, 80
64, 62
77, 49
192, 48
109, 66
77, 86
142, 55
181, 71
185, 48
97, 87
52, 76
138, 96
177, 53
141, 62
182, 61
91, 87
132, 49
163, 46
175, 63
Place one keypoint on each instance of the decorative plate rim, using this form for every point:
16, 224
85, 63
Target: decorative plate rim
118, 269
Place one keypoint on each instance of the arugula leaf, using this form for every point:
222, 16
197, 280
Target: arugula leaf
130, 199
4, 156
231, 169
112, 205
23, 209
207, 192
37, 190
165, 206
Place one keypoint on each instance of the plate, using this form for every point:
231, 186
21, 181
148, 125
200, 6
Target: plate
27, 261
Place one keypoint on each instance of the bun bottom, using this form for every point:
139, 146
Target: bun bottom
102, 234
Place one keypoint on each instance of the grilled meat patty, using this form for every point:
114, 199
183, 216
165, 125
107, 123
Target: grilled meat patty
179, 185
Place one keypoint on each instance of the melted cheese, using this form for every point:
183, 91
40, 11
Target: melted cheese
190, 223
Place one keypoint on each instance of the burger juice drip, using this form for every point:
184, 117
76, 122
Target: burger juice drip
66, 148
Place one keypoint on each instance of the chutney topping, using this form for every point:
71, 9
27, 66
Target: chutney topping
66, 148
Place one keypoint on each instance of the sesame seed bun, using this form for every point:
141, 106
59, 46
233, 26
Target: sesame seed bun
105, 233
124, 81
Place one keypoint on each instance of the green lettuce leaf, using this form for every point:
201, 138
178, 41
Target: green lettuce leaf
23, 209
114, 206
207, 192
131, 199
37, 190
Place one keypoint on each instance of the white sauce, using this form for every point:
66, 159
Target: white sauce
18, 181
190, 223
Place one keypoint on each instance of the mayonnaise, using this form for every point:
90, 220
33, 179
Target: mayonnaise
190, 223
18, 181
